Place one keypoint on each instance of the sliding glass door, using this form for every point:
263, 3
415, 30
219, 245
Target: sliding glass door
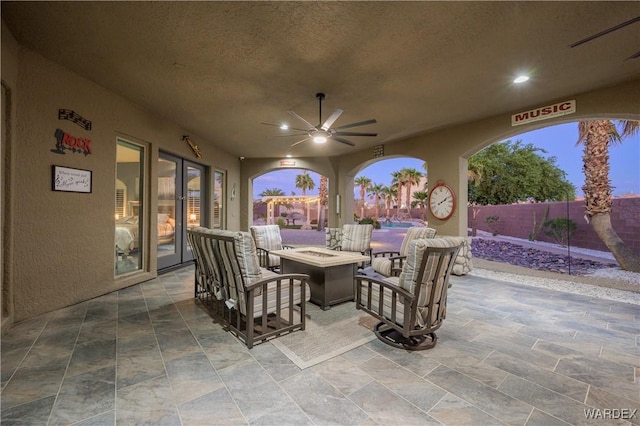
181, 204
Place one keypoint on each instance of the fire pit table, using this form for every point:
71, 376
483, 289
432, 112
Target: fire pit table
330, 272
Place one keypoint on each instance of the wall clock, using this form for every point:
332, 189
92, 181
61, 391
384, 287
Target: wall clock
442, 201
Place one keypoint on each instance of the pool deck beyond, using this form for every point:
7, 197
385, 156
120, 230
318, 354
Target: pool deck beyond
391, 239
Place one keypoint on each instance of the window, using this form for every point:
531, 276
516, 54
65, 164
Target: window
128, 207
218, 200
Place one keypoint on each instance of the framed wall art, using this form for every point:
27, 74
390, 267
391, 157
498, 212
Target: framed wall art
67, 179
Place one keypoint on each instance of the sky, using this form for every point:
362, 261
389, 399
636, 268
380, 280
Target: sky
559, 141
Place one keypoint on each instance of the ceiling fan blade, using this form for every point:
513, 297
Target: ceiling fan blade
360, 123
280, 127
332, 118
296, 143
286, 136
338, 139
309, 125
355, 134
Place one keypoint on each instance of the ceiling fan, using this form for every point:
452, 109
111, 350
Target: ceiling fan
324, 132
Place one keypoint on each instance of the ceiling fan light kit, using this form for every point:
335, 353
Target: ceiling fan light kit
322, 133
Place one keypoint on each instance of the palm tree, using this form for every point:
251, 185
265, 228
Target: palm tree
410, 177
387, 195
421, 201
596, 136
397, 181
426, 175
375, 190
304, 182
323, 202
364, 183
272, 192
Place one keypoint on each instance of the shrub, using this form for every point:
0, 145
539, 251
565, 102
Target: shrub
370, 220
560, 229
492, 223
281, 222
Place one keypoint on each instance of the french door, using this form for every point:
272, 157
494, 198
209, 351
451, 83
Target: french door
181, 204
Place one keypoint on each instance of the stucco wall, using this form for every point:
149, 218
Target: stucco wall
516, 220
63, 245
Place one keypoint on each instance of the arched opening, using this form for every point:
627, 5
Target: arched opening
392, 192
528, 205
290, 198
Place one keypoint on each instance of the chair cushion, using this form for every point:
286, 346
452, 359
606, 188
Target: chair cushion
267, 237
356, 237
414, 233
382, 265
409, 275
247, 257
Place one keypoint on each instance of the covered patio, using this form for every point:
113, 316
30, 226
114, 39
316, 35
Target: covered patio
508, 353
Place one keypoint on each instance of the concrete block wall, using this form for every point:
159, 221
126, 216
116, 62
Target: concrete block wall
516, 220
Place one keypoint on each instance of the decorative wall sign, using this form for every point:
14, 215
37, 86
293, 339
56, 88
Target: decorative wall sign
193, 146
65, 141
70, 180
287, 163
67, 114
543, 113
378, 151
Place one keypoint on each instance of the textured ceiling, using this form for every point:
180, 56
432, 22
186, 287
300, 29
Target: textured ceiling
219, 69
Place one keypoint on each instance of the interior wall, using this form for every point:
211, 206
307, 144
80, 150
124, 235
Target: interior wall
9, 66
63, 243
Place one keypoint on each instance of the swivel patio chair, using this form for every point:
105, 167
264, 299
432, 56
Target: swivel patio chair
268, 238
389, 263
351, 237
413, 306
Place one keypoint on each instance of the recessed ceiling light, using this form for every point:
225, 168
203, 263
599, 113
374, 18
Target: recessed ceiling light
521, 79
289, 156
284, 127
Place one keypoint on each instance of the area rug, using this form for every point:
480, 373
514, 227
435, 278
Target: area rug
327, 334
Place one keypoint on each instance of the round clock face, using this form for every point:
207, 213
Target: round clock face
442, 202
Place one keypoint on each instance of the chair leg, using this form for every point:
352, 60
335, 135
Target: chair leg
392, 337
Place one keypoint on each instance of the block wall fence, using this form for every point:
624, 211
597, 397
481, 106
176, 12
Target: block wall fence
516, 220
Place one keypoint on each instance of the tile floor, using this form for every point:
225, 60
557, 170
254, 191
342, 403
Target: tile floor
148, 354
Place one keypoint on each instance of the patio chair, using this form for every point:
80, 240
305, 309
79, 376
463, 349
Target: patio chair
259, 304
208, 280
268, 238
351, 237
413, 306
390, 263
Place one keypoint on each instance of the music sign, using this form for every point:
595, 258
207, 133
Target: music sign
544, 113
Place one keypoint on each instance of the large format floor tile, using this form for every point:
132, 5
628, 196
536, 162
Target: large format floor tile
150, 354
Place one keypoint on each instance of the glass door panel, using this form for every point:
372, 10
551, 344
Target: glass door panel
193, 197
181, 205
169, 210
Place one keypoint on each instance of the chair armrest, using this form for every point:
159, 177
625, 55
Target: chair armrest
263, 257
386, 254
303, 278
388, 296
364, 280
